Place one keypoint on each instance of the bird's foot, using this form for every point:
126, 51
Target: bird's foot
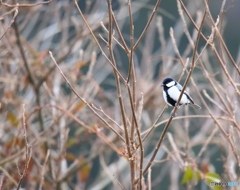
173, 114
177, 105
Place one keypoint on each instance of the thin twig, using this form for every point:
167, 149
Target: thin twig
7, 175
28, 149
104, 113
148, 24
130, 56
25, 5
190, 117
203, 148
220, 36
98, 44
206, 74
154, 124
149, 178
224, 68
22, 52
223, 131
218, 33
122, 46
11, 22
123, 113
44, 169
175, 149
120, 34
88, 128
82, 99
213, 101
139, 139
106, 169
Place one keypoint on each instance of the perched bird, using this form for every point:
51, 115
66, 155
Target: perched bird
171, 93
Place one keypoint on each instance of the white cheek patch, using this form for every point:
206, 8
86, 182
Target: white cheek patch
170, 84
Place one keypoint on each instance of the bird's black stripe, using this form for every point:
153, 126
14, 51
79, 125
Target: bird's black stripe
169, 99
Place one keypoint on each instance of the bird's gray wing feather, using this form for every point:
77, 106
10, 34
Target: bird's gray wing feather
179, 86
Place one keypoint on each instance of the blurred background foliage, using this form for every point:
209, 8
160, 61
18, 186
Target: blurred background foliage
64, 143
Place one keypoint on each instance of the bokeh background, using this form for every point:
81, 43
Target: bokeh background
65, 145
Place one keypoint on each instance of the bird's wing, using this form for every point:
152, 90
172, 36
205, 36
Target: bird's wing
179, 86
189, 97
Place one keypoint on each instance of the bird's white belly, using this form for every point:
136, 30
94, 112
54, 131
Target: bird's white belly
174, 93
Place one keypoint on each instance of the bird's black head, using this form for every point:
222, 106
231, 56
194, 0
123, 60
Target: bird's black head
168, 82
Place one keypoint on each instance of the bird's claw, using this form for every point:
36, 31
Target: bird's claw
177, 105
173, 114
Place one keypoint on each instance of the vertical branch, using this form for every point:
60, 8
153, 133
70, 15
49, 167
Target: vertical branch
30, 75
131, 72
186, 126
139, 139
130, 56
123, 114
132, 96
28, 149
44, 169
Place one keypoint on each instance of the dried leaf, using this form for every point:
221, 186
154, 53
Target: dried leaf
12, 119
78, 106
84, 171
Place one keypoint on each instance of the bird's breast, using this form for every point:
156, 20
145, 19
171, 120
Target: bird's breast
174, 93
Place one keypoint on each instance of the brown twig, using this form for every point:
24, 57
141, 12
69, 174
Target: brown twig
154, 124
82, 99
147, 25
120, 34
19, 44
28, 149
123, 114
25, 5
220, 36
12, 20
139, 139
218, 33
224, 68
206, 73
98, 44
122, 46
44, 170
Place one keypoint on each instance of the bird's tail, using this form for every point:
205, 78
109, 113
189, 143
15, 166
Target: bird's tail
195, 106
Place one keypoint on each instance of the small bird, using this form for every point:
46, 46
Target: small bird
171, 93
